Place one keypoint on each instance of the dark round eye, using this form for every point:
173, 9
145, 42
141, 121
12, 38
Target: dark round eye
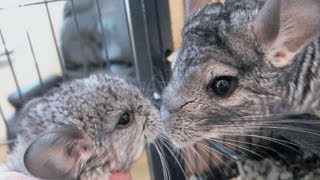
223, 86
125, 120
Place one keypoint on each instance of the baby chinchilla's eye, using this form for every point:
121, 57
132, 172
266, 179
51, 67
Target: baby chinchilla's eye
125, 120
223, 86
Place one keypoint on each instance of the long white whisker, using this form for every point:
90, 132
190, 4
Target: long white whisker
201, 159
245, 149
209, 150
164, 163
169, 149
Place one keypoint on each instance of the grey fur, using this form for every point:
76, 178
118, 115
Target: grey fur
222, 39
85, 112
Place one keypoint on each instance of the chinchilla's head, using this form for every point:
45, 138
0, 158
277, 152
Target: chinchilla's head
239, 62
90, 128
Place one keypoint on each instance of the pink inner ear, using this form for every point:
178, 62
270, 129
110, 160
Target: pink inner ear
267, 23
57, 155
284, 27
80, 151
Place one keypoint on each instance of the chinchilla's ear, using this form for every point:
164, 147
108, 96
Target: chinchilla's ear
57, 155
34, 102
283, 27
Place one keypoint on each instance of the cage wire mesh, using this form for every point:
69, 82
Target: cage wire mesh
44, 42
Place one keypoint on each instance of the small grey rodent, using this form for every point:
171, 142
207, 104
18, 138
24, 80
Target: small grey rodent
85, 129
241, 64
88, 44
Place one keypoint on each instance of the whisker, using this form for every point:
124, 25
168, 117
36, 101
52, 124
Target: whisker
276, 140
164, 163
213, 149
209, 150
256, 145
302, 121
223, 150
290, 128
172, 153
201, 159
271, 139
187, 154
245, 149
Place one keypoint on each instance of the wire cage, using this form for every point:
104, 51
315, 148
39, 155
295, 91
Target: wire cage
65, 39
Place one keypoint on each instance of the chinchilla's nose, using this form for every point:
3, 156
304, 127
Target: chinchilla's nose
171, 104
164, 113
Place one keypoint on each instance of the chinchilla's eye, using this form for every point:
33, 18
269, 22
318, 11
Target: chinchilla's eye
125, 120
223, 86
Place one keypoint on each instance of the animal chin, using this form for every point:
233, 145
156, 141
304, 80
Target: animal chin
119, 175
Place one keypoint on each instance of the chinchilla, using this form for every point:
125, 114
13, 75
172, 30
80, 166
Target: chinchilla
90, 128
246, 67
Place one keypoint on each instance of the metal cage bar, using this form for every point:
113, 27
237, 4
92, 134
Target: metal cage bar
35, 59
11, 66
2, 115
149, 46
62, 65
139, 40
103, 35
84, 62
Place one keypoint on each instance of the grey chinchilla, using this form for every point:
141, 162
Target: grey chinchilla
244, 67
85, 129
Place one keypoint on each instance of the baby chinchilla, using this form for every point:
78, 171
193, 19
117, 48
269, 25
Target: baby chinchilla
244, 65
89, 128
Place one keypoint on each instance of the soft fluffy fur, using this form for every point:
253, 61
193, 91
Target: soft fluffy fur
275, 59
85, 112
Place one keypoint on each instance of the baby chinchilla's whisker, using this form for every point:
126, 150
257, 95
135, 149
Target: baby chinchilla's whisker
162, 137
163, 160
166, 145
171, 151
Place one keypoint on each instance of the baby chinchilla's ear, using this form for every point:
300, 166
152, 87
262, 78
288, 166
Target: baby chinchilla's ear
57, 155
283, 27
